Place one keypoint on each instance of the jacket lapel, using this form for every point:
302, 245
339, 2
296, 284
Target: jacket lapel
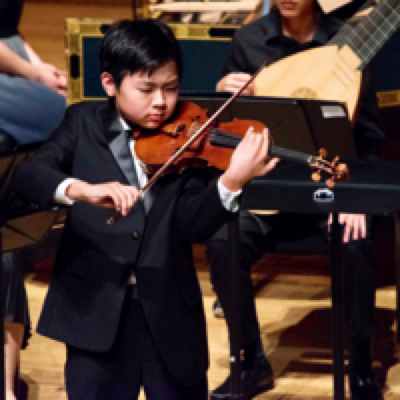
117, 141
119, 147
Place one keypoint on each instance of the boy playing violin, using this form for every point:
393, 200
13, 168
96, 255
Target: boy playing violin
124, 297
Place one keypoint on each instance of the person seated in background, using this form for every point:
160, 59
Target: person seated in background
17, 325
32, 93
293, 26
32, 105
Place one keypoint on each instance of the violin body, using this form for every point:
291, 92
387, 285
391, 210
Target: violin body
155, 148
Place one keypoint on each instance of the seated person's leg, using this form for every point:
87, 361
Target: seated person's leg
360, 292
259, 234
253, 235
17, 322
13, 337
29, 111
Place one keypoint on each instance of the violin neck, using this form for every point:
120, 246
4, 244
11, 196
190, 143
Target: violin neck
230, 140
290, 155
224, 139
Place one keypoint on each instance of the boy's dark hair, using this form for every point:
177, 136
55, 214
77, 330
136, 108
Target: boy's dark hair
142, 45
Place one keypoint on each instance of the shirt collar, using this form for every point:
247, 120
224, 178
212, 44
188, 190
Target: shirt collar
124, 124
327, 27
273, 25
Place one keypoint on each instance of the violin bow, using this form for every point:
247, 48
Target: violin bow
192, 139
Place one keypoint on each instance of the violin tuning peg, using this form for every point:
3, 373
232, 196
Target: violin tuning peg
342, 172
335, 160
316, 176
330, 183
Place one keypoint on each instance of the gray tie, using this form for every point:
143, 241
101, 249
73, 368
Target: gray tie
148, 199
148, 196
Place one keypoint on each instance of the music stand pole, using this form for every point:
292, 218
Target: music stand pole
235, 304
2, 371
337, 308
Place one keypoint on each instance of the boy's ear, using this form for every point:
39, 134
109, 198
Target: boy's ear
108, 84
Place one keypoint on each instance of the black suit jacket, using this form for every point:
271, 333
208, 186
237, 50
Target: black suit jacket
95, 260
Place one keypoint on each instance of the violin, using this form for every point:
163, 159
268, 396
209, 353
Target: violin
215, 146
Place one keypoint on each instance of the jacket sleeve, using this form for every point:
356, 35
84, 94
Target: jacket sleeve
36, 179
200, 212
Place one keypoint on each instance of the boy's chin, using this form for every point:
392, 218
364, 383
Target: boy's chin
151, 125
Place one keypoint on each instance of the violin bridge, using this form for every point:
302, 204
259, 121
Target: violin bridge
194, 127
173, 130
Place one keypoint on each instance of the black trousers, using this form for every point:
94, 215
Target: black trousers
260, 234
132, 362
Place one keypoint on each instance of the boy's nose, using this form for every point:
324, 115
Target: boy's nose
159, 98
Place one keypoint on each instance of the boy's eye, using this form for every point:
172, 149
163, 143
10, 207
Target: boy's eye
167, 89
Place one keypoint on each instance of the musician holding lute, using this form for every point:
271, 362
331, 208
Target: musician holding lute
294, 28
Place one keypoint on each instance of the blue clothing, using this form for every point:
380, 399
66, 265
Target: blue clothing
29, 111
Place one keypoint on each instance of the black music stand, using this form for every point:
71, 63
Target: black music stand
21, 225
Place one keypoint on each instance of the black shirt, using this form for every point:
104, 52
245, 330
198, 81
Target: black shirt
263, 39
10, 14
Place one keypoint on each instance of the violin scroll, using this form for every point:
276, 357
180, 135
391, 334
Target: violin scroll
331, 171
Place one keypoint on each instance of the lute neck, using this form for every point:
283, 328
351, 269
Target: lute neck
370, 34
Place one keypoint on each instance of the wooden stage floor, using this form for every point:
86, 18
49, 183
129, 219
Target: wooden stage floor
295, 320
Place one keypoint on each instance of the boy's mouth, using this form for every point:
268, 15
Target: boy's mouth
156, 117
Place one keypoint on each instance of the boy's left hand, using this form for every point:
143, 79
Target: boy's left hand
250, 159
355, 226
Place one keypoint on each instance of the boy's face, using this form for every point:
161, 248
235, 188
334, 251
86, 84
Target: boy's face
145, 100
295, 8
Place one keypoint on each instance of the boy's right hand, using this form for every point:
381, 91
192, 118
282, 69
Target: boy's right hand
235, 81
109, 195
250, 159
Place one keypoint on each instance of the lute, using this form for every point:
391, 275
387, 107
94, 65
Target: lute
332, 72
